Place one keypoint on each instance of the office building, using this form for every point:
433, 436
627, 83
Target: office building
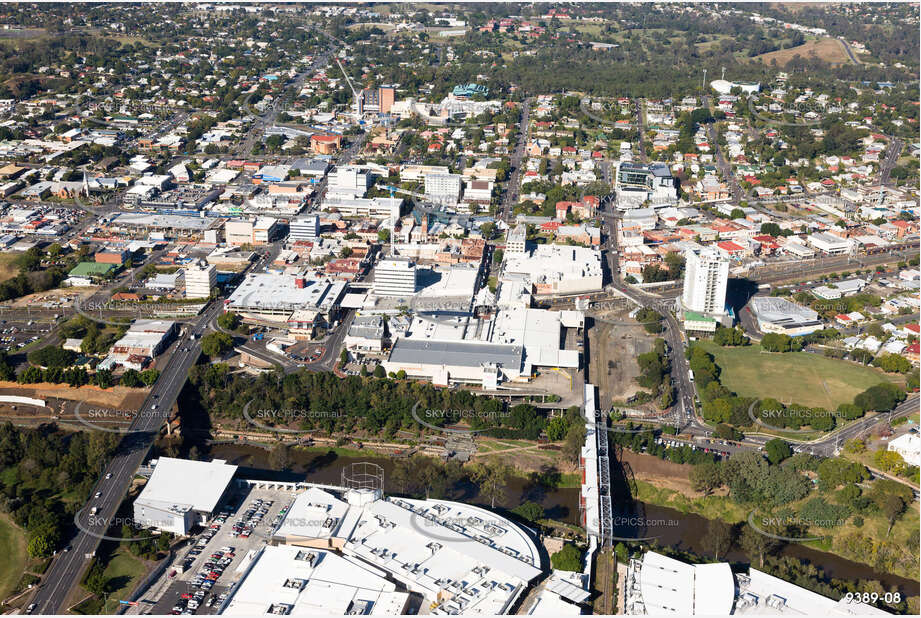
261, 231
706, 275
396, 277
200, 279
348, 181
637, 185
306, 227
443, 188
517, 239
378, 99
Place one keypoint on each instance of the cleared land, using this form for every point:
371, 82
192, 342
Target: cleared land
13, 550
792, 377
827, 49
8, 268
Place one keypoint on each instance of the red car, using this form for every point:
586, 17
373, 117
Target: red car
186, 595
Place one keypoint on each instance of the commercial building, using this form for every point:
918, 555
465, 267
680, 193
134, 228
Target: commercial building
387, 208
274, 297
830, 244
658, 585
556, 269
780, 315
706, 274
366, 333
356, 551
306, 227
457, 362
200, 279
144, 340
182, 493
378, 99
260, 231
296, 581
348, 181
396, 276
637, 185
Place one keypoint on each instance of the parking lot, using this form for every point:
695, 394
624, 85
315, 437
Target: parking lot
214, 559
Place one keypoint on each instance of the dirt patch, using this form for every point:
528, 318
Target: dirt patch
613, 349
660, 473
828, 49
116, 397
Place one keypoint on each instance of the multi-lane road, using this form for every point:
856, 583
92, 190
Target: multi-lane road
115, 478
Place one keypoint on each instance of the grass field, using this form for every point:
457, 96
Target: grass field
123, 572
793, 377
13, 550
8, 268
828, 49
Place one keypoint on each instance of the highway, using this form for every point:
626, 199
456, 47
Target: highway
67, 567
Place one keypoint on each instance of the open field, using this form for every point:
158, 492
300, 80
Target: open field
827, 49
13, 550
792, 377
8, 268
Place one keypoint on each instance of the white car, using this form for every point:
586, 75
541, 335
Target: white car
109, 475
97, 494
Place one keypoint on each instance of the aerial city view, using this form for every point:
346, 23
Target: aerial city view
489, 308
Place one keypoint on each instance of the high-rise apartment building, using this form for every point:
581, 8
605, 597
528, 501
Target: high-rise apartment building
705, 277
200, 278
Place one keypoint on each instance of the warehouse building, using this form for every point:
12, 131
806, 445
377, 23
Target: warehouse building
182, 493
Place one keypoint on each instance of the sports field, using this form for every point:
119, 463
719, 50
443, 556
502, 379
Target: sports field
792, 377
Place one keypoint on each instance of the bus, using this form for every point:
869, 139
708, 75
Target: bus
691, 375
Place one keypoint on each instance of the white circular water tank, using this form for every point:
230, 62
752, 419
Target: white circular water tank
721, 86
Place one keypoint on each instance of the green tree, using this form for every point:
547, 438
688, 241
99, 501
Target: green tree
530, 511
229, 320
777, 450
216, 344
567, 559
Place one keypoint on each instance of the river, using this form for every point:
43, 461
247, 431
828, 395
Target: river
668, 527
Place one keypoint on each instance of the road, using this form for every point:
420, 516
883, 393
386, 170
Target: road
892, 156
67, 567
683, 412
514, 182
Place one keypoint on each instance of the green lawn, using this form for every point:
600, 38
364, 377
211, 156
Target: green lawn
792, 377
13, 552
123, 573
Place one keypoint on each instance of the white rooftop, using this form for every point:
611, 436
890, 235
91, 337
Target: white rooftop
197, 484
309, 582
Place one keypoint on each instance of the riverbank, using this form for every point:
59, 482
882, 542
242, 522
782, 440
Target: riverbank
890, 553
